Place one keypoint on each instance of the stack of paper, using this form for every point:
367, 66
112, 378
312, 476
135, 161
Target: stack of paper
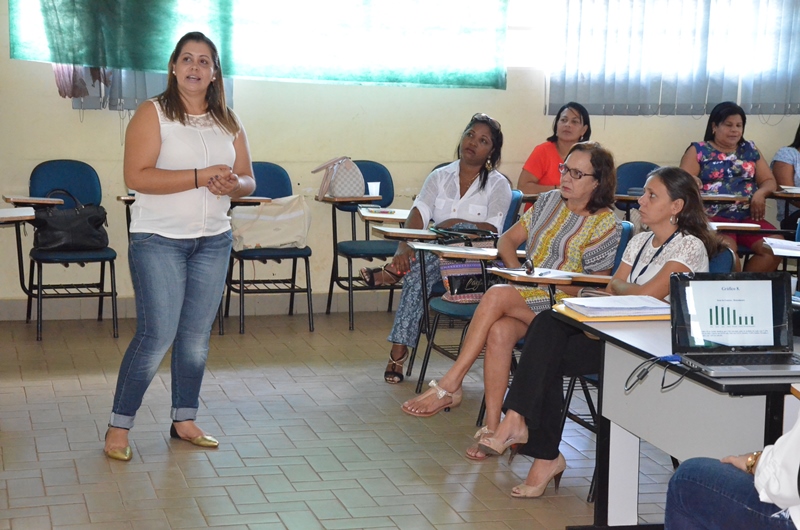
618, 306
781, 247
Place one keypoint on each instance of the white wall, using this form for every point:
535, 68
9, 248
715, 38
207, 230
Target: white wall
301, 125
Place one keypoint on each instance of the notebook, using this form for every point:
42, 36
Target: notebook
734, 325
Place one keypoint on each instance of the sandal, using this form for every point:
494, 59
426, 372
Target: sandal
440, 393
368, 275
484, 432
394, 370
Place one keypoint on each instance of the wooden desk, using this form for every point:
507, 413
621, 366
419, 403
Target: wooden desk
127, 200
32, 201
383, 215
9, 216
516, 275
701, 416
349, 200
250, 201
787, 197
404, 234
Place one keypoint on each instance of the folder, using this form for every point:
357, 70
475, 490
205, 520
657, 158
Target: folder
564, 310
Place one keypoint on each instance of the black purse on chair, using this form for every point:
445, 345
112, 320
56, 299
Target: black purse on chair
81, 227
463, 279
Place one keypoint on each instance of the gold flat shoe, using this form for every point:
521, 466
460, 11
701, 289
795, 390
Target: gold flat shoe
124, 454
120, 454
201, 441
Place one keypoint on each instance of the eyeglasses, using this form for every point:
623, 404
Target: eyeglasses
576, 174
485, 118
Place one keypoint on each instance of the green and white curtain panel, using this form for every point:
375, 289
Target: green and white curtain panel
642, 57
437, 43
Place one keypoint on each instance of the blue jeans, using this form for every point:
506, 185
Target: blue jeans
706, 494
178, 285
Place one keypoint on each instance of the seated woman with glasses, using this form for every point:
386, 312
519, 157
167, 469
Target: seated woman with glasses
679, 241
571, 229
468, 193
540, 172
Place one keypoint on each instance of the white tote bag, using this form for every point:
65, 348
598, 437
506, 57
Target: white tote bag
281, 223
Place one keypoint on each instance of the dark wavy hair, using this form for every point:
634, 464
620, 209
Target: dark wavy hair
605, 173
580, 109
171, 101
796, 143
720, 113
692, 219
497, 144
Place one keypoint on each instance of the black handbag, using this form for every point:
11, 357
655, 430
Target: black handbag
77, 228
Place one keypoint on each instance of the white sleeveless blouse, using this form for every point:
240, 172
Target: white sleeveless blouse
192, 213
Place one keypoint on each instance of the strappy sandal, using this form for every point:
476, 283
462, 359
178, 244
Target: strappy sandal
368, 275
394, 370
484, 432
440, 393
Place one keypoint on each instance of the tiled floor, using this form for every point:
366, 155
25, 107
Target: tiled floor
311, 437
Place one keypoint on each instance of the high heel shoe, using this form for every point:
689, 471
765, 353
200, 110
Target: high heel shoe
482, 434
524, 491
124, 454
497, 447
441, 393
203, 440
394, 370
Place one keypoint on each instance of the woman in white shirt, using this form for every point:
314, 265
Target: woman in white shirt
186, 155
470, 192
786, 168
757, 490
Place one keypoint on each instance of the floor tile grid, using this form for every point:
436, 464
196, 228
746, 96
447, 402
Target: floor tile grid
311, 438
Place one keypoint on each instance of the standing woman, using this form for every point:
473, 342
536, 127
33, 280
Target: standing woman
540, 172
725, 163
186, 155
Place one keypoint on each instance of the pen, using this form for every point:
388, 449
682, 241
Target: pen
543, 273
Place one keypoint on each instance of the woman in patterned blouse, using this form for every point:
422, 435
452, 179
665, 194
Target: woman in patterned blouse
724, 163
571, 229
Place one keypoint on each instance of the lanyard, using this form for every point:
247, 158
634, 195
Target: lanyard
639, 255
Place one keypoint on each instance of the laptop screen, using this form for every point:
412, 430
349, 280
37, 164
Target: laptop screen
731, 312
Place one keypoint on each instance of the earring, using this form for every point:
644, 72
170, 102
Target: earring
213, 79
488, 165
673, 220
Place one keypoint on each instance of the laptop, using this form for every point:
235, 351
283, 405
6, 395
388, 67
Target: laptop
734, 325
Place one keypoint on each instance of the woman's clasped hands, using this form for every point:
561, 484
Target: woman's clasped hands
220, 180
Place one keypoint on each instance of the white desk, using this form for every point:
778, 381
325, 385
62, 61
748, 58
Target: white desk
699, 417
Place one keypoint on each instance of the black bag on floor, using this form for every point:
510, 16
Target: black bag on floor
77, 228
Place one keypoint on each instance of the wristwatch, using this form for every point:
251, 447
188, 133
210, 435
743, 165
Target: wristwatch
752, 460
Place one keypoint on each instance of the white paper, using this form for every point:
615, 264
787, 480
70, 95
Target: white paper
610, 306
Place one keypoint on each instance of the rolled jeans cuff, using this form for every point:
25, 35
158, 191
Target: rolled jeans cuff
121, 421
183, 414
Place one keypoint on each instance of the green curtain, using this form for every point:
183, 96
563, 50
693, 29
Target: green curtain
458, 43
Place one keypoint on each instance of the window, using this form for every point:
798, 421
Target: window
454, 43
676, 56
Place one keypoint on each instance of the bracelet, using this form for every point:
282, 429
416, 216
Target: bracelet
195, 178
752, 460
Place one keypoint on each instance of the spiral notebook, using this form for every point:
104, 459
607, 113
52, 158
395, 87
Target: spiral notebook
734, 325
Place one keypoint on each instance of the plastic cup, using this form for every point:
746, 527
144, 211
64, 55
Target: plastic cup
374, 188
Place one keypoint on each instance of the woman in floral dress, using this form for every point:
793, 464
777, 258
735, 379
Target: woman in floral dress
724, 163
